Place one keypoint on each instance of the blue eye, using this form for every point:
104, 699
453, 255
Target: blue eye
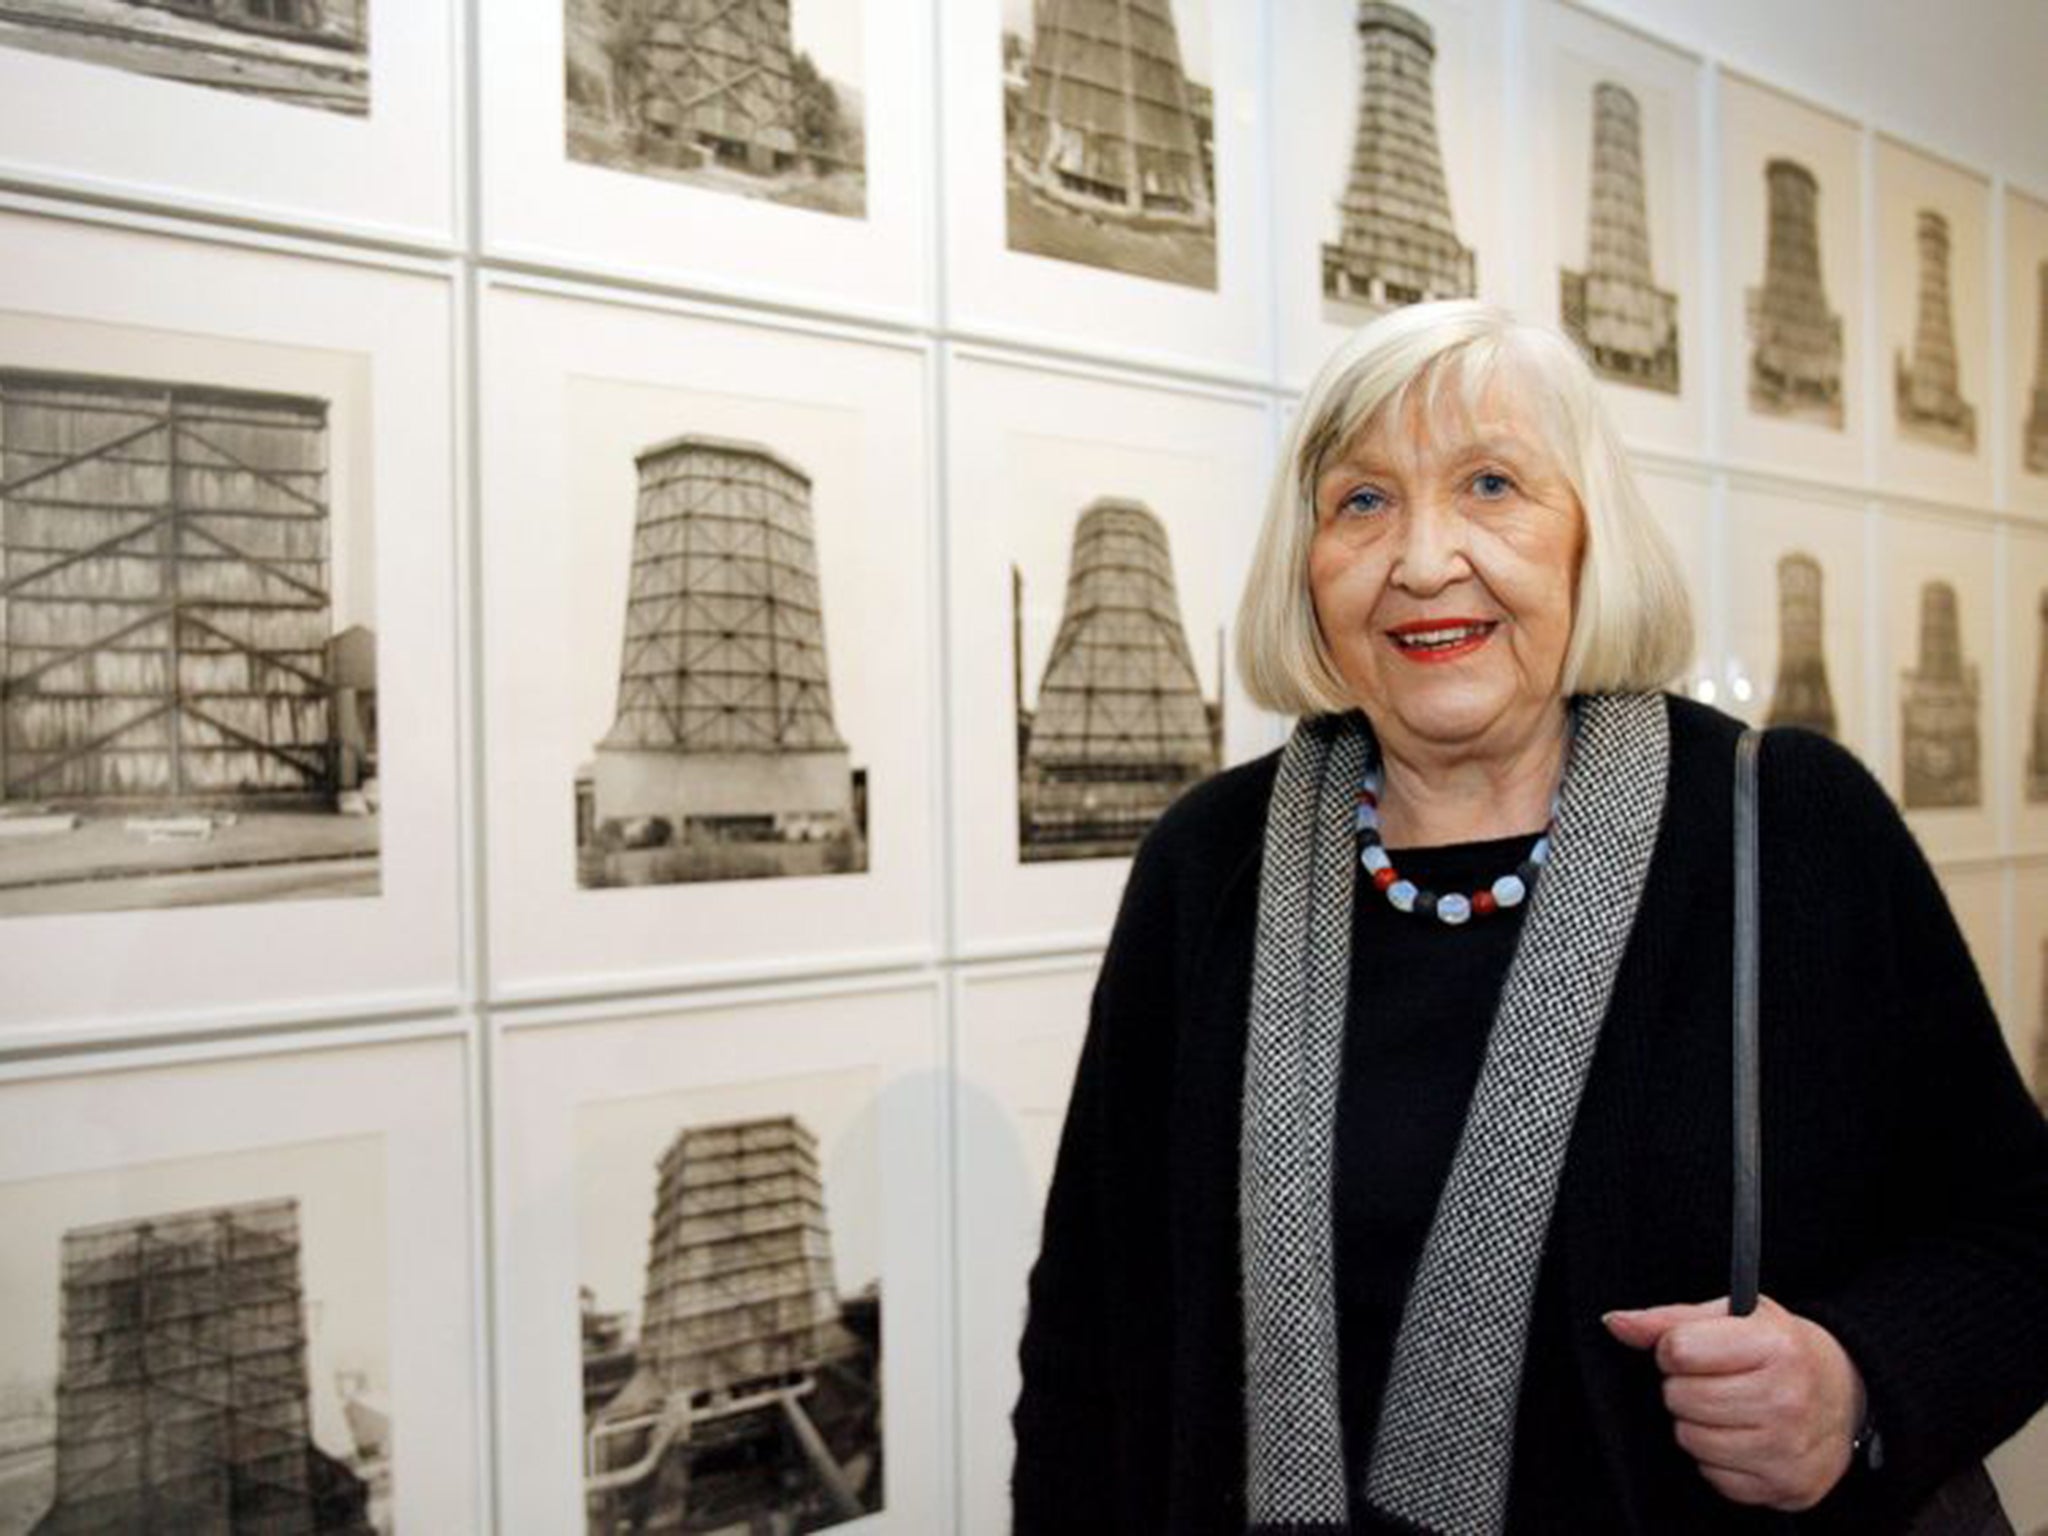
1362, 502
1491, 485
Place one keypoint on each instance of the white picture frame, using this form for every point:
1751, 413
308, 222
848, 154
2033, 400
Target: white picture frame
1921, 550
1317, 56
996, 293
1572, 53
110, 133
1800, 434
556, 1066
242, 317
1948, 459
1029, 449
543, 208
1682, 500
850, 413
2025, 446
1017, 1041
354, 1130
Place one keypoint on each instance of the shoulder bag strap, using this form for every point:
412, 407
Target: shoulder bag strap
1747, 1251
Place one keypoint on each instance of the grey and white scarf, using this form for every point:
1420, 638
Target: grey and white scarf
1445, 1445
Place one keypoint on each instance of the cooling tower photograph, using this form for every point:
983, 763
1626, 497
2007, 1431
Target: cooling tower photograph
730, 1308
310, 53
761, 98
187, 642
1938, 710
1118, 726
198, 1345
1109, 135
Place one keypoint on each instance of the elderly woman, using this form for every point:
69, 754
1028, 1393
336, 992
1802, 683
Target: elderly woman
1395, 1188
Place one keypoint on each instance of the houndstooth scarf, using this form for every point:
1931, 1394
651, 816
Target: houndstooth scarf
1446, 1434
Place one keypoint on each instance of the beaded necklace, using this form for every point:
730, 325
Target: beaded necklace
1510, 890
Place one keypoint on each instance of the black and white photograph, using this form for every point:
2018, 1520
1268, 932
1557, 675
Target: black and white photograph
2024, 703
723, 761
307, 53
1109, 135
1117, 727
1940, 710
707, 550
2025, 450
199, 1344
760, 98
1792, 285
731, 1307
1934, 325
188, 641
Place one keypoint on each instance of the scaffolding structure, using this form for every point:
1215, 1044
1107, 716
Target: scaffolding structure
1109, 123
1396, 243
1929, 397
313, 21
710, 79
1802, 696
2036, 430
1120, 727
1614, 309
1939, 706
164, 602
182, 1403
1795, 360
724, 724
2037, 752
746, 1373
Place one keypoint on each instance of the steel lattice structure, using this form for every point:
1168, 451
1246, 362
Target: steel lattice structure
1614, 309
1928, 393
1939, 706
719, 75
1802, 696
1795, 360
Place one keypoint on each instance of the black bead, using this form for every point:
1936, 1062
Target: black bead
1425, 903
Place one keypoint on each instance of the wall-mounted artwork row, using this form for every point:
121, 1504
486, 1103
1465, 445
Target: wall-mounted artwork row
2025, 384
188, 717
761, 98
707, 554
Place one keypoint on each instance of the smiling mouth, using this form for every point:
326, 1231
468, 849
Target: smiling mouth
1441, 640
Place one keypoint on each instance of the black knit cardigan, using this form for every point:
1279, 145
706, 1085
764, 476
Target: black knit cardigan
1905, 1183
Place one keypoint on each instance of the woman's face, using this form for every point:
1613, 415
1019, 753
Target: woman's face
1444, 565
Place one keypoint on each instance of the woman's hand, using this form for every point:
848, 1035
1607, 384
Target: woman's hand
1768, 1404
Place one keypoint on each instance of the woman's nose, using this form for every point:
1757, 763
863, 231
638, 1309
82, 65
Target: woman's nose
1431, 554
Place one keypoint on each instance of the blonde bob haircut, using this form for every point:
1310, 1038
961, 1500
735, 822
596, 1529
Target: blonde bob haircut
1631, 621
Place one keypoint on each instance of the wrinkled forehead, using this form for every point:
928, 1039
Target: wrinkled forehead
1456, 399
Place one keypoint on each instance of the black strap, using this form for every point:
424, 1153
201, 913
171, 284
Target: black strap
1747, 1250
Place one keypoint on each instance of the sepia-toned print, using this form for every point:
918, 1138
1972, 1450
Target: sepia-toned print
1939, 704
723, 761
1801, 695
1626, 325
1118, 727
2037, 750
1795, 358
1108, 126
198, 1367
730, 1326
2034, 419
761, 98
190, 704
311, 53
1929, 401
1397, 242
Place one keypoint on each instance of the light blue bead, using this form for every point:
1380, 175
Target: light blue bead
1402, 894
1367, 817
1540, 854
1374, 857
1453, 909
1508, 890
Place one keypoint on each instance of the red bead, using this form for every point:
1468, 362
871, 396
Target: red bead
1367, 797
1483, 903
1382, 878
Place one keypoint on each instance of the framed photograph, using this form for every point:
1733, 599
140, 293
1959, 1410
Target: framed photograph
1018, 1035
1934, 278
1682, 502
338, 114
2026, 684
1797, 578
1103, 188
1939, 670
2026, 352
1617, 226
282, 1239
1792, 283
776, 150
709, 651
719, 1267
1387, 144
226, 629
1104, 532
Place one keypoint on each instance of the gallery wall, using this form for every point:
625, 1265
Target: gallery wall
547, 615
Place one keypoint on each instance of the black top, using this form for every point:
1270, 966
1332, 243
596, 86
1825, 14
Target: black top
1905, 1173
